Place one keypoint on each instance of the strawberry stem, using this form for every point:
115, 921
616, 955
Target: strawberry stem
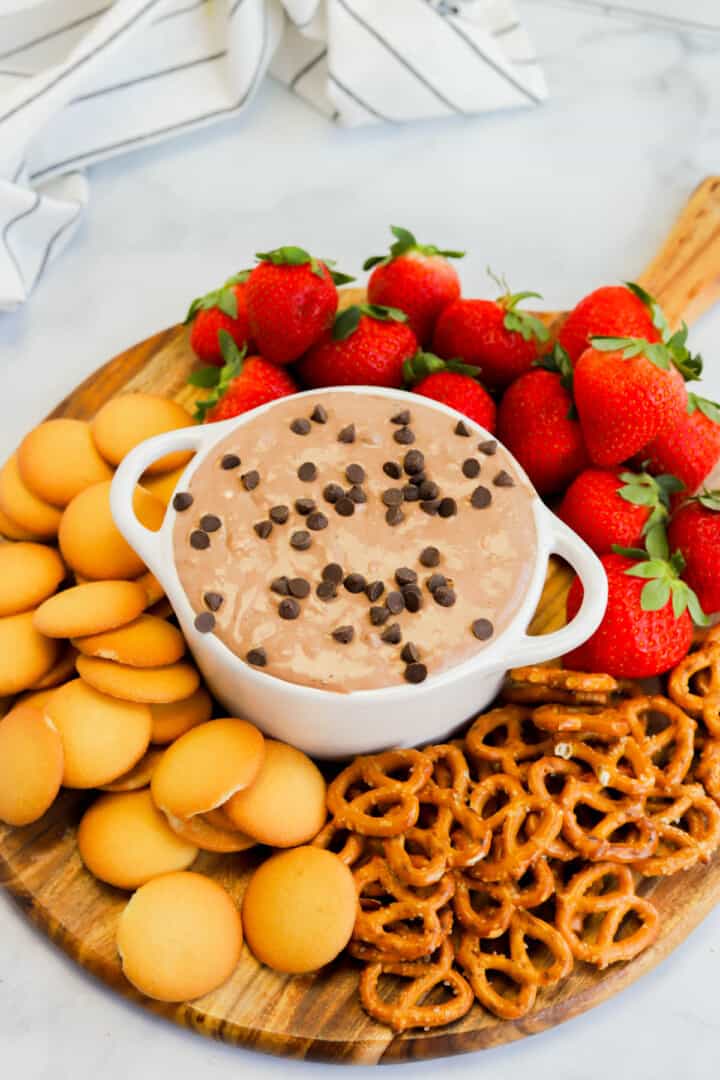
422, 364
662, 573
404, 243
653, 492
347, 321
218, 379
223, 298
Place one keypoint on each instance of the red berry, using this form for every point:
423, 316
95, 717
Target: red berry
460, 392
690, 450
257, 383
208, 318
371, 354
593, 507
695, 530
612, 311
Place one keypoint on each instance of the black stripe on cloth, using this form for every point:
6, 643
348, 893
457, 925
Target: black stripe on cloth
400, 58
6, 230
358, 100
179, 11
476, 49
16, 74
150, 75
54, 239
306, 68
238, 4
80, 61
18, 171
54, 33
509, 29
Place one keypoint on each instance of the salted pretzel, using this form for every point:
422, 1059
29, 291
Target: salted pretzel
670, 747
487, 907
506, 738
711, 714
607, 723
516, 965
695, 678
392, 927
688, 825
367, 786
596, 841
448, 835
505, 807
378, 770
620, 764
450, 770
348, 846
590, 915
707, 770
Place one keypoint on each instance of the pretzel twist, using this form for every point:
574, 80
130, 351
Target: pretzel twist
670, 749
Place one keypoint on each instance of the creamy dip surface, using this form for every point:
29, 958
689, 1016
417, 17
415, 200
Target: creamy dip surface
350, 541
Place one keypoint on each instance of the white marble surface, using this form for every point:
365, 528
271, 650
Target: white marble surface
561, 199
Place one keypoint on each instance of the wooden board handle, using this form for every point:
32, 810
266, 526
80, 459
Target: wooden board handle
685, 274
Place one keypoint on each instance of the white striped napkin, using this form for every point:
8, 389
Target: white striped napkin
81, 80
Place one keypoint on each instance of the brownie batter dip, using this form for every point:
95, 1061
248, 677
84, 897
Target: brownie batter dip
348, 542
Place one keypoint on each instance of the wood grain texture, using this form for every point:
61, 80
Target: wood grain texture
319, 1016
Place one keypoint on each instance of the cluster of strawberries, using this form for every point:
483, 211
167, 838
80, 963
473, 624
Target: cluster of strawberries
597, 411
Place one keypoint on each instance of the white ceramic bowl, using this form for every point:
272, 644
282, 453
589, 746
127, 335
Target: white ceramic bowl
325, 723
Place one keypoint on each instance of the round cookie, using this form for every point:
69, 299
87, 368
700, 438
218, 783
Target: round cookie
139, 776
179, 937
299, 909
91, 608
13, 531
37, 517
31, 765
206, 766
147, 642
209, 835
60, 672
127, 420
124, 841
171, 721
103, 738
29, 573
162, 486
25, 654
59, 459
90, 541
285, 804
153, 686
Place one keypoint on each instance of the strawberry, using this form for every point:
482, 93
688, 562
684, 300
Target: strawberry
491, 334
690, 449
614, 311
453, 384
291, 301
416, 278
695, 530
368, 345
536, 421
243, 383
607, 508
222, 309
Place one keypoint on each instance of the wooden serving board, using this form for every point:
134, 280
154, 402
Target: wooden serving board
319, 1016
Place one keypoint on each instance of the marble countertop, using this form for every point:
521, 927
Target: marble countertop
562, 198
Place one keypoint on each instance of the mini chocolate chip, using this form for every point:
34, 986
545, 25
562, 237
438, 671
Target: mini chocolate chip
444, 596
332, 492
182, 501
415, 673
257, 657
301, 540
392, 469
435, 581
461, 428
288, 609
345, 507
210, 522
414, 462
299, 588
429, 490
213, 600
429, 556
280, 514
357, 494
374, 591
307, 471
333, 572
230, 461
410, 653
503, 479
482, 629
301, 426
394, 515
480, 497
405, 576
354, 583
319, 414
250, 480
430, 506
401, 418
488, 447
204, 622
392, 635
355, 474
344, 634
418, 479
326, 590
317, 521
379, 615
199, 540
347, 434
395, 602
410, 493
392, 496
413, 600
404, 436
447, 508
305, 506
263, 529
470, 468
281, 585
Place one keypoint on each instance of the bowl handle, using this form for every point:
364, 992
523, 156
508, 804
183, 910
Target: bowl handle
533, 649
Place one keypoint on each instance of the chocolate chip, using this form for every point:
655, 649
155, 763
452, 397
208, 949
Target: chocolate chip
392, 469
415, 673
299, 588
333, 572
347, 434
429, 556
301, 540
405, 576
199, 540
470, 468
374, 591
482, 629
230, 461
344, 634
418, 479
288, 609
319, 414
281, 585
395, 602
355, 474
480, 497
392, 496
280, 514
210, 522
250, 480
305, 506
204, 622
182, 501
444, 596
430, 506
404, 436
414, 462
413, 598
435, 581
345, 507
379, 615
461, 428
410, 493
429, 490
392, 635
301, 426
326, 590
354, 583
488, 447
447, 508
394, 515
503, 479
410, 653
213, 600
317, 521
307, 471
257, 657
332, 492
401, 418
263, 529
357, 494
